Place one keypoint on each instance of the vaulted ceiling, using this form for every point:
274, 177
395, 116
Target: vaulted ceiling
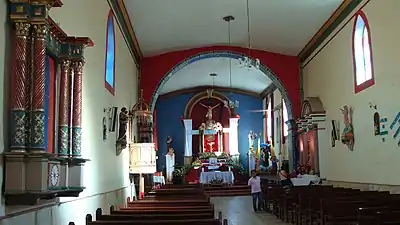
290, 27
281, 26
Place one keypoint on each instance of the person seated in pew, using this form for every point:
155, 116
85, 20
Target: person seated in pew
284, 177
255, 184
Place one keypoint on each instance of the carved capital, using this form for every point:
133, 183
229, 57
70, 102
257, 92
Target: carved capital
78, 66
65, 64
22, 29
40, 30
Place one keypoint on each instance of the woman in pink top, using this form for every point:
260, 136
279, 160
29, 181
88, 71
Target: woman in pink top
255, 184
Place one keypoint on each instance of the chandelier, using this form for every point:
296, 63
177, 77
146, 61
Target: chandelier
246, 61
142, 114
229, 103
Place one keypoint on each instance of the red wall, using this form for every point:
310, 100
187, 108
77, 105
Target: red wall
285, 67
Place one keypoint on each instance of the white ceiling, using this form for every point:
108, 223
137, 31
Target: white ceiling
198, 74
282, 26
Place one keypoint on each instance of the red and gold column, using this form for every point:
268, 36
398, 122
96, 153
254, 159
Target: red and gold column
77, 108
64, 110
20, 86
37, 142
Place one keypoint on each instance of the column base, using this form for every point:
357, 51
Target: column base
187, 160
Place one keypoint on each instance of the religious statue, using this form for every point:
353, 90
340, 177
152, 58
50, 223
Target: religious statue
348, 135
169, 142
252, 137
123, 123
210, 110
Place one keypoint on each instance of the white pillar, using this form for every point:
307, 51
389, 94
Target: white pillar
169, 164
233, 136
188, 136
323, 138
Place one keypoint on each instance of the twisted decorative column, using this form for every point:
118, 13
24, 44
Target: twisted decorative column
77, 109
37, 143
64, 110
20, 84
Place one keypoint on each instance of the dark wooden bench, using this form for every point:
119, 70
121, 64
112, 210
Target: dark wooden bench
169, 202
132, 216
140, 221
326, 205
171, 210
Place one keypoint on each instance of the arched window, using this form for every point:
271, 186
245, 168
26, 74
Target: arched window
110, 55
285, 118
362, 53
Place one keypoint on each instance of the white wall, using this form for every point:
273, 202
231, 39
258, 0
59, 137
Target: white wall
330, 76
106, 172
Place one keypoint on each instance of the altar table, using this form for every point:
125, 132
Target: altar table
226, 176
305, 180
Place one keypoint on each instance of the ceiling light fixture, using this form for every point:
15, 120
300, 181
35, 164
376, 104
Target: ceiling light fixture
246, 61
229, 103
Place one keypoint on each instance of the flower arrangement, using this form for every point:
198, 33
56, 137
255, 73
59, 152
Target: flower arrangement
207, 155
223, 156
236, 165
196, 163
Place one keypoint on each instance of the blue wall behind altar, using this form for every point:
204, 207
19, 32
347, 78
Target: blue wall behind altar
170, 110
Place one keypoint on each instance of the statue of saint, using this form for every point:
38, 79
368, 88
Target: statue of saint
169, 142
123, 122
252, 137
210, 110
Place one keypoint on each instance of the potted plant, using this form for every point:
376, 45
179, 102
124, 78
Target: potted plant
177, 175
237, 168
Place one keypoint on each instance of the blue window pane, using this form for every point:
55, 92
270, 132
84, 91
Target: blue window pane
110, 54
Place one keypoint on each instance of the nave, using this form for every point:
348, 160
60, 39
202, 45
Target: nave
300, 205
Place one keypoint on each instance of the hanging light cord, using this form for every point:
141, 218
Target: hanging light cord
230, 60
248, 27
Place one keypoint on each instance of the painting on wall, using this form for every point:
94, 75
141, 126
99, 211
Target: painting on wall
113, 119
348, 132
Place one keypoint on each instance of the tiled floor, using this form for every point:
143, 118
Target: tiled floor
239, 211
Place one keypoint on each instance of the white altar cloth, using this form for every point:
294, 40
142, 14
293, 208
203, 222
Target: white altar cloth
227, 176
305, 180
159, 179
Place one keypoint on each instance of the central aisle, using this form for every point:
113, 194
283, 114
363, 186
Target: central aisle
238, 210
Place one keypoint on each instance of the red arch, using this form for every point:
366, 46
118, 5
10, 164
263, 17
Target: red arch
287, 68
369, 83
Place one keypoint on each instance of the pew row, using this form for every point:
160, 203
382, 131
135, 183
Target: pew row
129, 219
328, 205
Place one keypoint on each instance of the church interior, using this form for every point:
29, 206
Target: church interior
114, 107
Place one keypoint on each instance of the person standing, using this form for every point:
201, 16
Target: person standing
255, 184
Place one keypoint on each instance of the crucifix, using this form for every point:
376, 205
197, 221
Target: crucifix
209, 110
211, 144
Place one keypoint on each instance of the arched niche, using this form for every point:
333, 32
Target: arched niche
310, 126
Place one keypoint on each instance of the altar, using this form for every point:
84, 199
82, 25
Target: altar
217, 177
210, 135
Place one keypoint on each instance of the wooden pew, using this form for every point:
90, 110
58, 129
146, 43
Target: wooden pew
128, 216
172, 210
169, 202
210, 221
372, 215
